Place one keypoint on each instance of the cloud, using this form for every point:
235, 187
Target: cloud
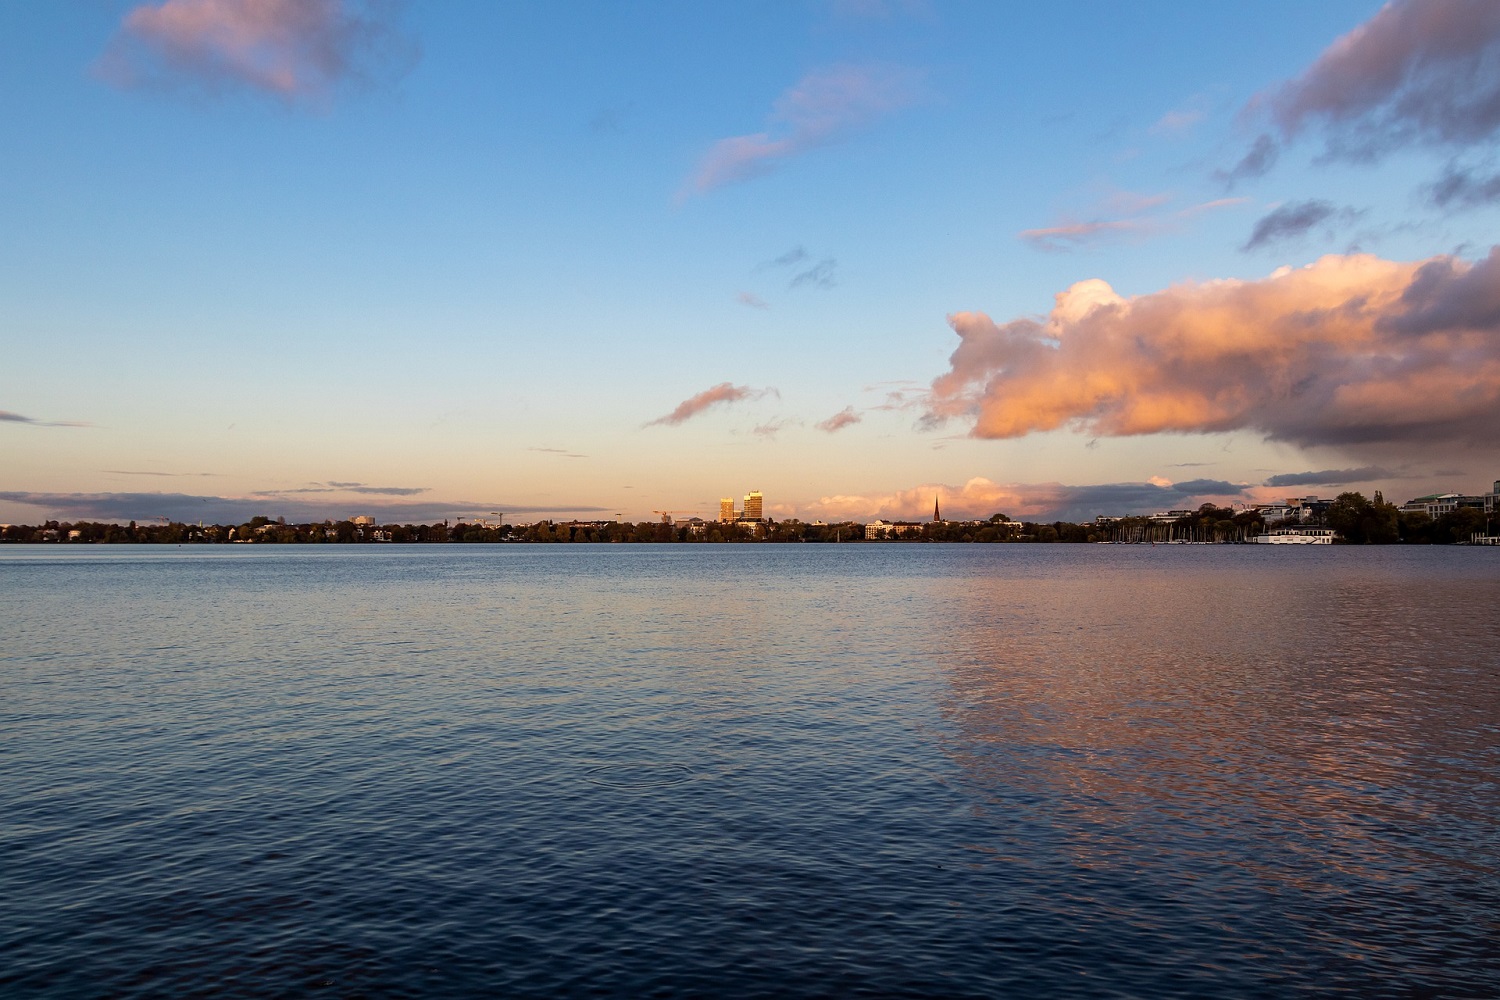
1418, 73
1257, 162
563, 452
1332, 477
294, 49
1350, 350
979, 498
1294, 219
795, 255
752, 300
723, 393
822, 108
15, 418
360, 488
168, 475
1135, 218
769, 429
186, 507
844, 418
1463, 188
820, 275
1177, 121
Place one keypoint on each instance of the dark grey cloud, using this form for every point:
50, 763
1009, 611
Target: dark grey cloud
235, 510
817, 275
391, 491
820, 275
1447, 295
1293, 220
1418, 73
1463, 188
1332, 477
1257, 162
16, 418
1084, 503
795, 255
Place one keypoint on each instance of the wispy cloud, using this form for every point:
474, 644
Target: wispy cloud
1178, 121
334, 487
560, 452
720, 395
1296, 219
15, 418
1461, 187
170, 475
846, 417
294, 49
1349, 351
234, 510
820, 274
1124, 216
822, 108
1332, 477
752, 300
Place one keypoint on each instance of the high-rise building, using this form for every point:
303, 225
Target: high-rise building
754, 504
726, 508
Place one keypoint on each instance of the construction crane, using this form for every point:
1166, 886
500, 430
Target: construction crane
666, 515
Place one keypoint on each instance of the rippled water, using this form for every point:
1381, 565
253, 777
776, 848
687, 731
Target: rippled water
750, 770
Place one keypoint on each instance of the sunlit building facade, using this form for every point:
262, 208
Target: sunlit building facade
726, 508
754, 504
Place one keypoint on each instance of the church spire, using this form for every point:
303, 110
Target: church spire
937, 515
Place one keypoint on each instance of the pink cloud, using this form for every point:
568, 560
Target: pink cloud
721, 394
1418, 72
840, 420
823, 107
1136, 218
979, 497
291, 48
1348, 351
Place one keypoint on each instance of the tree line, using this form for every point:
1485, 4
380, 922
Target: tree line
1356, 519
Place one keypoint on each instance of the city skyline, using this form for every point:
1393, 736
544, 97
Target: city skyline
322, 258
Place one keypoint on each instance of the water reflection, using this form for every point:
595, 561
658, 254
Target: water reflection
1324, 757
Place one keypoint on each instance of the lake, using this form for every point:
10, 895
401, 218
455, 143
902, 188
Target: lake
753, 770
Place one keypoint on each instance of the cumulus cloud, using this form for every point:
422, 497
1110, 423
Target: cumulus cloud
721, 394
234, 510
1417, 73
1332, 477
294, 49
980, 497
1295, 219
823, 107
1350, 350
840, 420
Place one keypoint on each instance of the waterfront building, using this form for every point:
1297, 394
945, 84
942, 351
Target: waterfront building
754, 506
726, 508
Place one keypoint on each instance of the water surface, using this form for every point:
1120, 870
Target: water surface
784, 770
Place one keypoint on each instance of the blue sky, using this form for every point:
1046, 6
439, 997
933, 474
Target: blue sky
469, 254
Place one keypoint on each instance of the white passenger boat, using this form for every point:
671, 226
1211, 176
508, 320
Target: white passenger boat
1297, 536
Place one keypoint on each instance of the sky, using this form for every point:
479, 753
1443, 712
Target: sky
319, 258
